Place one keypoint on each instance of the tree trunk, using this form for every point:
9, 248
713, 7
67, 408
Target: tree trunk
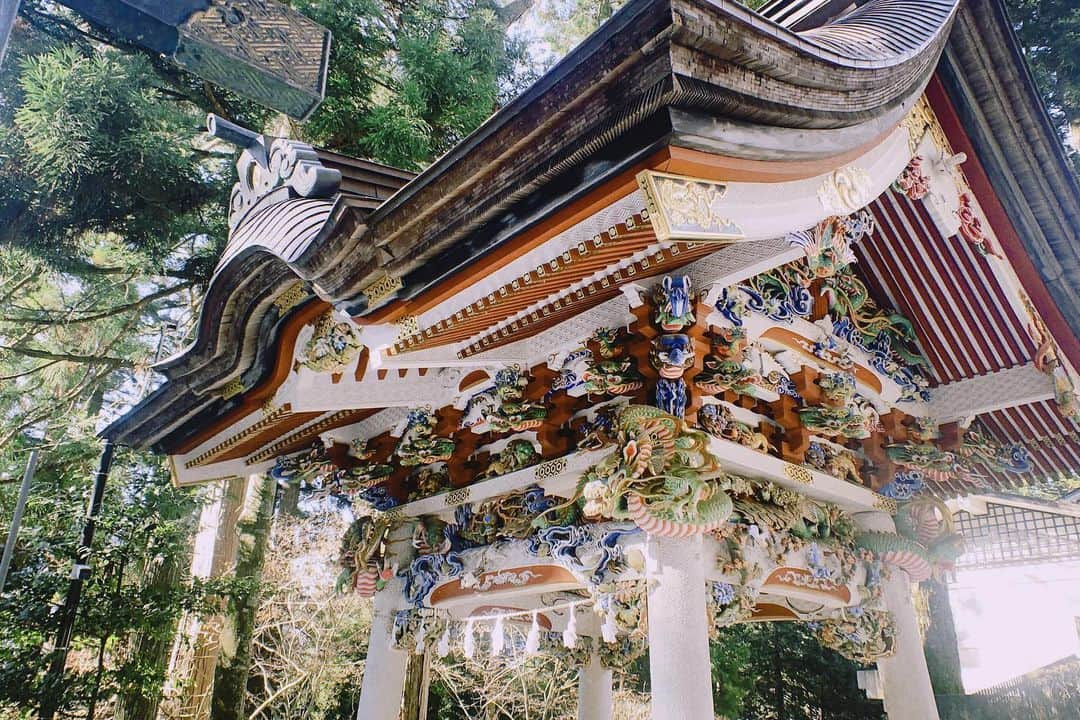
234, 654
151, 650
414, 705
290, 499
943, 655
197, 676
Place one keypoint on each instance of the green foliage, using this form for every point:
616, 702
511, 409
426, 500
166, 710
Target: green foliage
1049, 32
91, 145
731, 681
70, 343
408, 81
568, 22
112, 214
145, 521
779, 671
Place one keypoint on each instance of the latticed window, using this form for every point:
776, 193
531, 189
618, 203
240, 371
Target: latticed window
1008, 535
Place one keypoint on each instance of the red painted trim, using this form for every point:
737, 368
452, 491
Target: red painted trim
1003, 227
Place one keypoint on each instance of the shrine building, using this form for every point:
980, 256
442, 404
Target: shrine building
705, 327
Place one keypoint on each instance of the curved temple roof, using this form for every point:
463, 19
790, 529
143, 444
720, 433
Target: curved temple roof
663, 84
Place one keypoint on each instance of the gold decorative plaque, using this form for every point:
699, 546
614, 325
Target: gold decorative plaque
685, 208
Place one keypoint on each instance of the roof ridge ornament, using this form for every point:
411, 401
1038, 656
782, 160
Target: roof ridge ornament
267, 165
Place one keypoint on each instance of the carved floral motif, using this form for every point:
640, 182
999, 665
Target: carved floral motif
860, 634
912, 182
971, 228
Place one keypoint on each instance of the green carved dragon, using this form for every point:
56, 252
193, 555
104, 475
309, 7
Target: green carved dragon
661, 475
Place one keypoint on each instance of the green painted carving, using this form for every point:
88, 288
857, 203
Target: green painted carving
924, 544
428, 481
727, 367
514, 413
419, 445
841, 415
517, 455
661, 475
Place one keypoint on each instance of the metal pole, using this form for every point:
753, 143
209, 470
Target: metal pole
80, 571
8, 10
16, 519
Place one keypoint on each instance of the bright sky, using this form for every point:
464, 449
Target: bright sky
1010, 621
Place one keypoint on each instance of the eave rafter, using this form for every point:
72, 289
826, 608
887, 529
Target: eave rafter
576, 263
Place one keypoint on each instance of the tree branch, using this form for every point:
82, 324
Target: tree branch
66, 357
141, 302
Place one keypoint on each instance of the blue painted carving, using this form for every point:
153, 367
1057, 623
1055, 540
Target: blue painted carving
671, 396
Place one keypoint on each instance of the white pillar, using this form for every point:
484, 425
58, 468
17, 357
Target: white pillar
905, 679
679, 664
383, 685
595, 700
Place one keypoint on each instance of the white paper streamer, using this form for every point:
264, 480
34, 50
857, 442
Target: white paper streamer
468, 645
532, 642
443, 648
498, 638
421, 634
609, 630
569, 635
